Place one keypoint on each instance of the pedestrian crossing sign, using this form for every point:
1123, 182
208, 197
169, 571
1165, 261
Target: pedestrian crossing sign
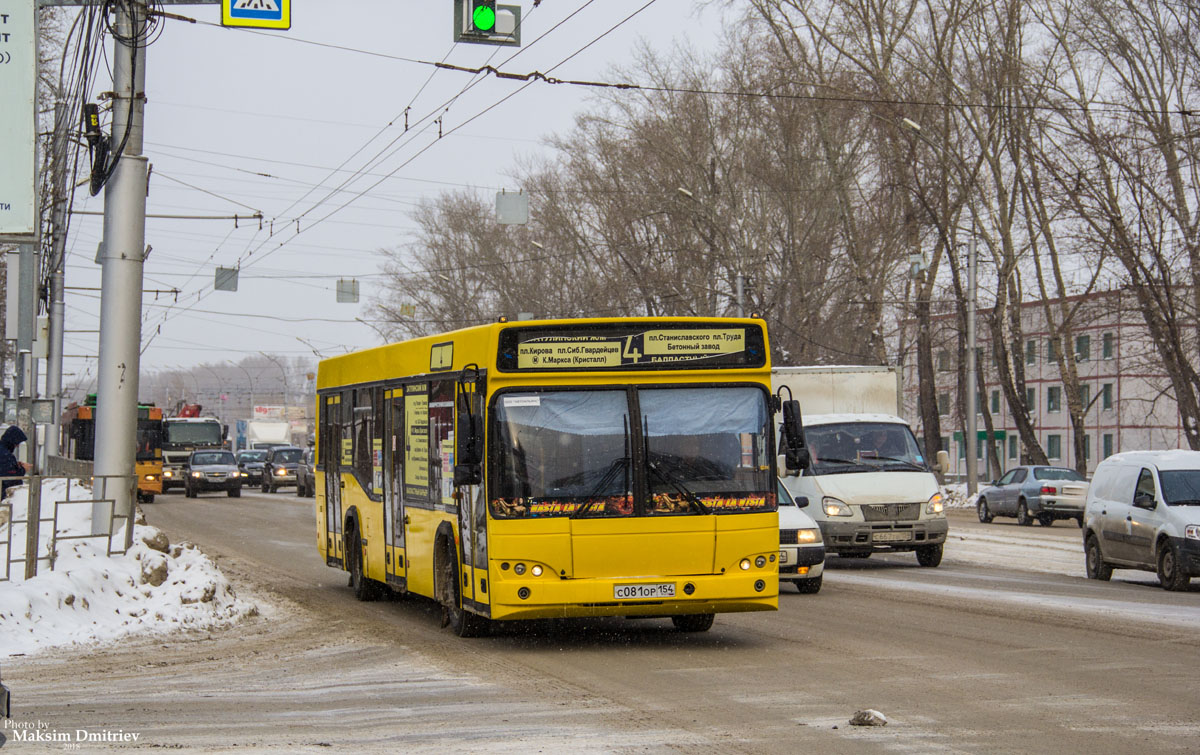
260, 14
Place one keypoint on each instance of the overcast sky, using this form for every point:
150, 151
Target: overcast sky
239, 122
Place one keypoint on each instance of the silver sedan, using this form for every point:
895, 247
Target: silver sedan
1034, 492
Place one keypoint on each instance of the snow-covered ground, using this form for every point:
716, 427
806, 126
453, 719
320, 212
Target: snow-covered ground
90, 597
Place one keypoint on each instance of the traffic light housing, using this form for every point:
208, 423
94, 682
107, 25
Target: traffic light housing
485, 22
483, 16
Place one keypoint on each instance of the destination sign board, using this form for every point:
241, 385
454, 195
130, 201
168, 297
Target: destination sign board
608, 347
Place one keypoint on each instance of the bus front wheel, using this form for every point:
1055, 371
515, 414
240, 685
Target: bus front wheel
461, 621
365, 589
695, 622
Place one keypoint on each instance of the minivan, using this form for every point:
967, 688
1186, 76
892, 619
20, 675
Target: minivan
1143, 512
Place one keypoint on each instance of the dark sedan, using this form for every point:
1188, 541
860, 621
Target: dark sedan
1034, 492
281, 467
251, 464
212, 470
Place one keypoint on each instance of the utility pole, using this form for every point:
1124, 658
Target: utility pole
60, 200
972, 378
121, 281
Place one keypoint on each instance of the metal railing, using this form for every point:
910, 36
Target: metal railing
41, 551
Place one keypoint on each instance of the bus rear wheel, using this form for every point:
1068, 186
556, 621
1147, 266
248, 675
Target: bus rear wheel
693, 622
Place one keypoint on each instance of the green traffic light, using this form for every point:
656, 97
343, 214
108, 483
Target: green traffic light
484, 17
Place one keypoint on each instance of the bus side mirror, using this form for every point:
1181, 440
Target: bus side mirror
795, 452
943, 462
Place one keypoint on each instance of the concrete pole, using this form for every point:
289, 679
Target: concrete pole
54, 357
26, 318
972, 379
121, 282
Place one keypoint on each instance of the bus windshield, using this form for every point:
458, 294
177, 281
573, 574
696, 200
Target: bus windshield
149, 439
572, 453
848, 447
193, 433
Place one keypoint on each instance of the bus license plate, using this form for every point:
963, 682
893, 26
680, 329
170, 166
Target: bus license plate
891, 537
644, 591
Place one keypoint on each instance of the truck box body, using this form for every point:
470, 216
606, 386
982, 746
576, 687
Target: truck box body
267, 433
842, 389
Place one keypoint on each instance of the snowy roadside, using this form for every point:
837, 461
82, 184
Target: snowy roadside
90, 597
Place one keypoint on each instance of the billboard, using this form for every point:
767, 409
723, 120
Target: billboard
18, 146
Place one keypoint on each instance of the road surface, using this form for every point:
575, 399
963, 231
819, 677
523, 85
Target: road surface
1004, 648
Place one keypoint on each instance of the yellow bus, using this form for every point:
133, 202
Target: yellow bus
556, 468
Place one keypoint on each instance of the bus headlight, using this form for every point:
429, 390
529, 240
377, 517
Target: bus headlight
760, 561
168, 473
935, 504
745, 564
536, 570
834, 507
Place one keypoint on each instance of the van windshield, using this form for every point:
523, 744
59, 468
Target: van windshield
1180, 487
848, 447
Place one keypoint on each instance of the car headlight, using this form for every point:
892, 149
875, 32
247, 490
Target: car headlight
281, 472
935, 504
808, 536
197, 474
1192, 531
834, 507
168, 473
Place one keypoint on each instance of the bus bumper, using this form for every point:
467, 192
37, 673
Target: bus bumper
549, 596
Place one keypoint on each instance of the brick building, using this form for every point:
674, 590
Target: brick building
1127, 392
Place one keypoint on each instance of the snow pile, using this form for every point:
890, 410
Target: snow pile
90, 597
955, 497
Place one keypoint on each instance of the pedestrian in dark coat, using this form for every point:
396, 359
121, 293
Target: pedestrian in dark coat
9, 466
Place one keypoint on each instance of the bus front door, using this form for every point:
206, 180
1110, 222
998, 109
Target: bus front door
393, 486
331, 460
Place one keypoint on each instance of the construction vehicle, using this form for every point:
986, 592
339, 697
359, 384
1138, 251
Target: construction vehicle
79, 424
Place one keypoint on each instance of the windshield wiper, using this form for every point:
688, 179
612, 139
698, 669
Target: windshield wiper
1185, 502
905, 462
620, 464
676, 483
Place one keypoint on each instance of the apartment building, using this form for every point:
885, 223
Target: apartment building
1128, 396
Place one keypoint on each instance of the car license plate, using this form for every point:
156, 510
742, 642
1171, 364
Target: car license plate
644, 591
891, 537
783, 557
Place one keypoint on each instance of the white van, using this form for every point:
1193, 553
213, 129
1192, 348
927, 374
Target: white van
1143, 512
871, 488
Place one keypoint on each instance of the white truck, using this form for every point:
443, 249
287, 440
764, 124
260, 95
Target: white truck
870, 487
267, 433
181, 436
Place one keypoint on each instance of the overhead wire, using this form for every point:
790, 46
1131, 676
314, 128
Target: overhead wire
246, 254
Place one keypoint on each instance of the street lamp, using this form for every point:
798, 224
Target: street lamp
220, 392
249, 380
972, 430
282, 372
